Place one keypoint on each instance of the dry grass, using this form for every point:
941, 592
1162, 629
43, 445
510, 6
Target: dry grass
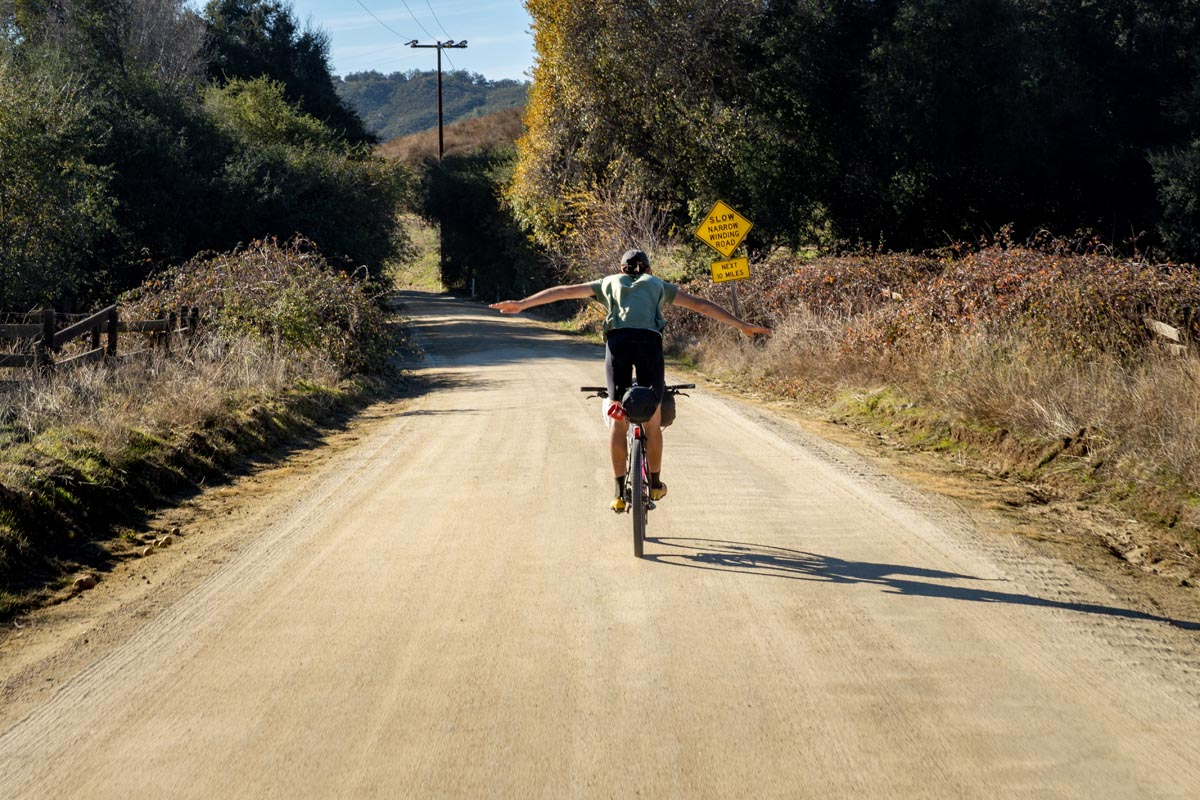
155, 394
1143, 414
82, 450
1066, 407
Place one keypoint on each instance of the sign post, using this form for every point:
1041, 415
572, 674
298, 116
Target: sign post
723, 229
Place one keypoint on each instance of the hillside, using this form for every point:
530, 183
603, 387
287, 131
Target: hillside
406, 102
495, 130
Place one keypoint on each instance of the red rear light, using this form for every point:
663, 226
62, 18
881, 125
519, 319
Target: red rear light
637, 431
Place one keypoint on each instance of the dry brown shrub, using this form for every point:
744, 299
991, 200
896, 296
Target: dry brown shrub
1048, 346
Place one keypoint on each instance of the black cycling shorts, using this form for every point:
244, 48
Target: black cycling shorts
634, 349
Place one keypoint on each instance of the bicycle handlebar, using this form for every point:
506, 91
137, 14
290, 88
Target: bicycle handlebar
602, 391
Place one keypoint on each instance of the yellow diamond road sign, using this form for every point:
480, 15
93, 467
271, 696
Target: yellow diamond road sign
723, 229
736, 270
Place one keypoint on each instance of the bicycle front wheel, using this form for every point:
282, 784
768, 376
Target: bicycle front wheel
638, 496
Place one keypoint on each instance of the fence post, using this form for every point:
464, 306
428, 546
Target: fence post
96, 336
111, 350
49, 328
166, 340
42, 361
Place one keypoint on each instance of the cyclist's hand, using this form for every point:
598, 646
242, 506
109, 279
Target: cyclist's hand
755, 330
508, 306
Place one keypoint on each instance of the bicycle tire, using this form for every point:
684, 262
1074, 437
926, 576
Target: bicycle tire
638, 497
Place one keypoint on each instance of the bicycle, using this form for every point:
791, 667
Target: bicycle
637, 468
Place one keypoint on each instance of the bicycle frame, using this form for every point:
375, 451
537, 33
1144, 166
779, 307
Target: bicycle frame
637, 468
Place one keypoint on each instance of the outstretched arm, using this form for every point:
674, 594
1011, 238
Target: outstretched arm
578, 291
710, 309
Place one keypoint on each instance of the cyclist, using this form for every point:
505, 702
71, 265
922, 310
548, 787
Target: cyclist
634, 299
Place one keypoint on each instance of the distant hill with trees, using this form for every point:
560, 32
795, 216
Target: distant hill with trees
406, 102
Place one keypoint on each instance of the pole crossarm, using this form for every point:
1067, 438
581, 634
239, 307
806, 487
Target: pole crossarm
439, 45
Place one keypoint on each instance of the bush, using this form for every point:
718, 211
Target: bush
288, 295
1074, 303
289, 175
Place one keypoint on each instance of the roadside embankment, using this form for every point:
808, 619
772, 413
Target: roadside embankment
1032, 364
292, 346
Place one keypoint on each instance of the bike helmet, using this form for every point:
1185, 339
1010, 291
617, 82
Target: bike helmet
639, 403
635, 262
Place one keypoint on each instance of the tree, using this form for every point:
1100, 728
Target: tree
55, 203
899, 121
252, 38
482, 247
289, 174
644, 94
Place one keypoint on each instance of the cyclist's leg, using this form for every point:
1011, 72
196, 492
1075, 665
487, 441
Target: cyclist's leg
618, 446
654, 441
618, 369
651, 371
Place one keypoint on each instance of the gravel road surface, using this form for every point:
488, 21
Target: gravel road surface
446, 607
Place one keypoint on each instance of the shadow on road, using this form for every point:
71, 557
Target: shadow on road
778, 562
458, 333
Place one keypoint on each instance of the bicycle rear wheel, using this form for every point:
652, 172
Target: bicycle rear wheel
638, 496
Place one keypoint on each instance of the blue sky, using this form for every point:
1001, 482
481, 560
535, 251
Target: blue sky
499, 44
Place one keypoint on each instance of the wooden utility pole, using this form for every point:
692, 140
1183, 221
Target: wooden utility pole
439, 46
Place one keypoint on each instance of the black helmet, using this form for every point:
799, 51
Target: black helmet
639, 403
635, 262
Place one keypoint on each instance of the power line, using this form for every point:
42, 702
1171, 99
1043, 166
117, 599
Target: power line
414, 16
439, 24
384, 24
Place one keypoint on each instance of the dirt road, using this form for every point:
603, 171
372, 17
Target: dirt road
446, 607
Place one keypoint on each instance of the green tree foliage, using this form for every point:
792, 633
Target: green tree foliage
906, 121
1177, 175
404, 103
138, 63
55, 203
253, 38
639, 93
292, 175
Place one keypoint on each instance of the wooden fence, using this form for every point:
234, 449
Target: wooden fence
1167, 337
95, 337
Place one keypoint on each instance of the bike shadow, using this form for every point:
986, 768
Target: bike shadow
778, 562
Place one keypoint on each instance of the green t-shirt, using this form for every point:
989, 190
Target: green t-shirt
633, 302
